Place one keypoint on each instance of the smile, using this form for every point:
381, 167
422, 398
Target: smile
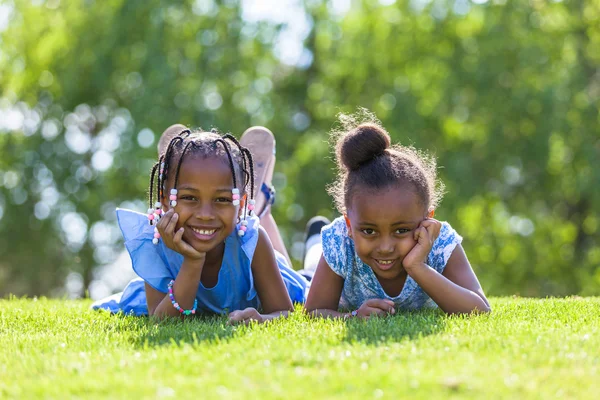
384, 264
204, 234
204, 231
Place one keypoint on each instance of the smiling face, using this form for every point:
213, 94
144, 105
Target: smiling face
382, 226
204, 201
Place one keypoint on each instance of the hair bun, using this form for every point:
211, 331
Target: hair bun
361, 145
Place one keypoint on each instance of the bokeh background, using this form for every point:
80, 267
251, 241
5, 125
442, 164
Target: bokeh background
504, 92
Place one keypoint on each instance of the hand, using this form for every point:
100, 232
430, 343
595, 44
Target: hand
425, 234
376, 307
245, 316
174, 240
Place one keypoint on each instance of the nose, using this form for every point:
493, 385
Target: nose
205, 211
386, 246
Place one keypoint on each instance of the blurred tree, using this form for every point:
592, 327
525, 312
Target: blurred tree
505, 93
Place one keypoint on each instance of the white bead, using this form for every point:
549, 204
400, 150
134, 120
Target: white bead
245, 223
252, 201
235, 191
155, 230
173, 203
150, 211
236, 202
241, 233
155, 241
173, 191
157, 204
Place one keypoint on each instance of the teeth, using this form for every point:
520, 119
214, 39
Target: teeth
385, 262
204, 231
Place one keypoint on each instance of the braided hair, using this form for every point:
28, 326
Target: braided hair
205, 144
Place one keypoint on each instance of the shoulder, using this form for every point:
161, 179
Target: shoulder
337, 246
443, 246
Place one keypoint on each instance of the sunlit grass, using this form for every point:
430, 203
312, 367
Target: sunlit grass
525, 349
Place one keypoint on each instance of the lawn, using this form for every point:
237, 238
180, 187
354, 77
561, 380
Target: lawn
525, 349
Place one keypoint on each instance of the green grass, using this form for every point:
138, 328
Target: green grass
525, 349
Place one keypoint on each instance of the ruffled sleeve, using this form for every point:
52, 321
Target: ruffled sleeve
149, 261
337, 246
443, 247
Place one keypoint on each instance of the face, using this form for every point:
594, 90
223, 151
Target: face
382, 226
204, 201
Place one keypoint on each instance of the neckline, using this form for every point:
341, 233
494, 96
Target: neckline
227, 244
371, 281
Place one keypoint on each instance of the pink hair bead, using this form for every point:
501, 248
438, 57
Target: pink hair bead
250, 207
150, 217
243, 228
157, 235
173, 197
236, 196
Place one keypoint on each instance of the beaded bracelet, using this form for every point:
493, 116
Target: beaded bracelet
351, 314
176, 305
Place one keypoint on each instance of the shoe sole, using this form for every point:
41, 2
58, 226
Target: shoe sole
261, 143
167, 136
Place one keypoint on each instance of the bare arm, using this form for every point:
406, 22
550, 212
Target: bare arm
270, 288
184, 291
187, 280
325, 292
457, 289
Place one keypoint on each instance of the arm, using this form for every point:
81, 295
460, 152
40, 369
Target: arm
270, 288
184, 291
187, 280
325, 292
457, 289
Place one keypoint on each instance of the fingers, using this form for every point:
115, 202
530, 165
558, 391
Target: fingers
380, 306
245, 316
167, 223
178, 238
432, 226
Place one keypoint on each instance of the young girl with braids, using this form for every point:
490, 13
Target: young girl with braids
387, 252
200, 248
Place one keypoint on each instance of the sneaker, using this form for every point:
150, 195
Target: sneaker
261, 143
313, 227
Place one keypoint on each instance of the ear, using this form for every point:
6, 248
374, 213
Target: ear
430, 212
348, 225
242, 204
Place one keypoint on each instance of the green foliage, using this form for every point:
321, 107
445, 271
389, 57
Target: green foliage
505, 93
525, 349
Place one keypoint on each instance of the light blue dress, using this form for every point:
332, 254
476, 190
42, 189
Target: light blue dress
157, 265
360, 282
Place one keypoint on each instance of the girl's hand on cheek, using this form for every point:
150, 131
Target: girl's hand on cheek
174, 239
425, 234
245, 316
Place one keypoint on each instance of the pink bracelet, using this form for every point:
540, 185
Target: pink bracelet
176, 305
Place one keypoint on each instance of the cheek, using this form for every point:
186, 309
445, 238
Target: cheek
406, 244
363, 247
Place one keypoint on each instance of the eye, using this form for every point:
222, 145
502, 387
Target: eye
187, 197
401, 231
368, 231
223, 200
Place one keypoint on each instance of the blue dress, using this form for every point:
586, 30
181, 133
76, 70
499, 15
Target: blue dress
360, 282
156, 265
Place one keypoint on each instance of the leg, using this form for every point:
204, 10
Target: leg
261, 143
268, 222
312, 245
